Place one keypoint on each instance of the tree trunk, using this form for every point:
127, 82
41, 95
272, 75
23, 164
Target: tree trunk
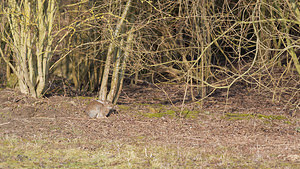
30, 29
109, 56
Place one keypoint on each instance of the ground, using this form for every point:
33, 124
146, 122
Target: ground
244, 129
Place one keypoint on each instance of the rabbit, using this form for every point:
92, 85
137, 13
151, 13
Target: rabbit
99, 109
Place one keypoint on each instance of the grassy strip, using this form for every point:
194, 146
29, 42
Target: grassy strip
81, 153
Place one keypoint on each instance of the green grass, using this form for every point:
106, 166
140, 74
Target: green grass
42, 152
84, 98
159, 110
242, 116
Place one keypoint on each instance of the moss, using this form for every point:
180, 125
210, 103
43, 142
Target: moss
287, 122
160, 110
123, 107
237, 116
153, 115
83, 97
170, 112
158, 113
242, 116
270, 117
192, 114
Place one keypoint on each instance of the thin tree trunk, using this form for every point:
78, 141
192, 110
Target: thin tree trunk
109, 56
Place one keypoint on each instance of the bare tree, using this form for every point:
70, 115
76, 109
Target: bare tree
30, 38
109, 57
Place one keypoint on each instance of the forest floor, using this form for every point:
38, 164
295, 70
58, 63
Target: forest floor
244, 129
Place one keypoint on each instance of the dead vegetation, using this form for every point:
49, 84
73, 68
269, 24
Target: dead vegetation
54, 132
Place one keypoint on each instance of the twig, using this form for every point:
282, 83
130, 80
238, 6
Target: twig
4, 123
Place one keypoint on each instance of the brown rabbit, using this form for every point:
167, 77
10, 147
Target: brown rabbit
99, 109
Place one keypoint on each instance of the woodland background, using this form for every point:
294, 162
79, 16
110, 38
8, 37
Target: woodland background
92, 45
